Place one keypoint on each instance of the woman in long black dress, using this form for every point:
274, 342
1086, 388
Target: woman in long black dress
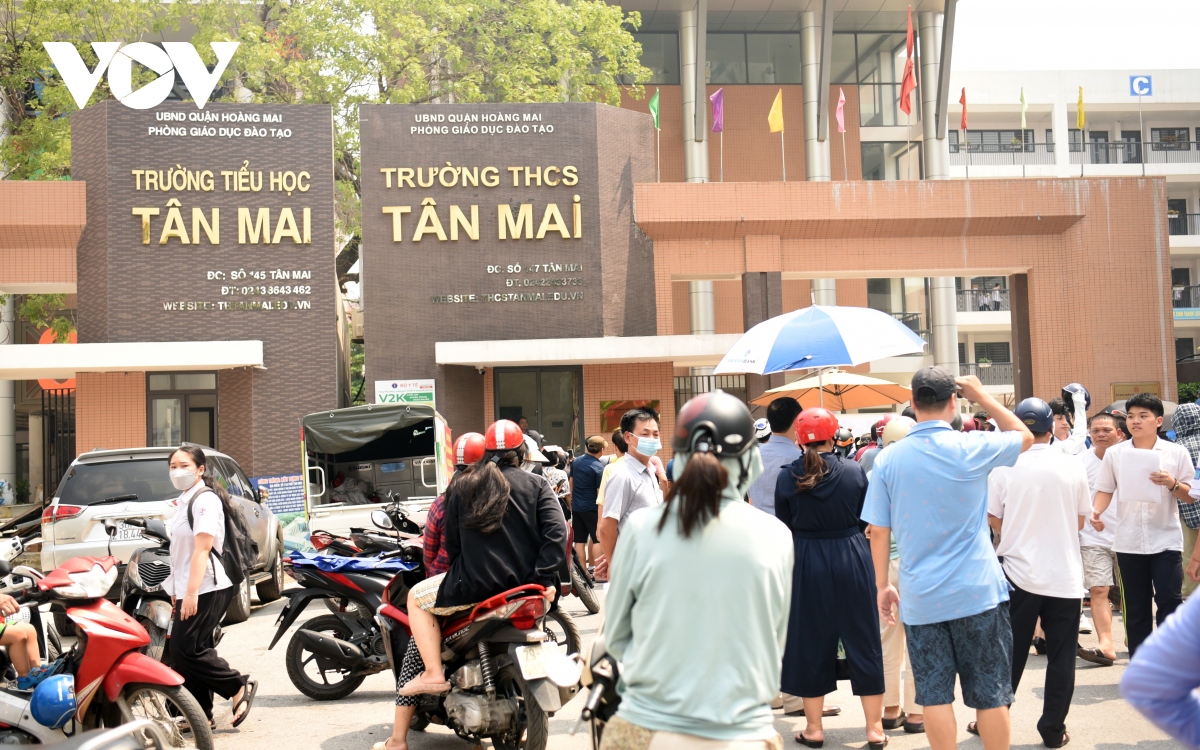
820, 498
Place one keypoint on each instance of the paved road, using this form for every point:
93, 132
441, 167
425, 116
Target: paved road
1099, 718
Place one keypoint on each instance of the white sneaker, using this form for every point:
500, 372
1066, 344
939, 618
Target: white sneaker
1085, 625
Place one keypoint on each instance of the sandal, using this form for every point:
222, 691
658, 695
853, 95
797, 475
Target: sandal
417, 686
878, 745
973, 728
807, 742
1066, 738
1095, 656
914, 727
895, 723
1039, 646
35, 676
247, 700
825, 711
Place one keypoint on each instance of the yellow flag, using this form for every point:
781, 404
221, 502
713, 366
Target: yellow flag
1079, 111
775, 118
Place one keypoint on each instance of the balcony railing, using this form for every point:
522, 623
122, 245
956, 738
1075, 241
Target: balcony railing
996, 373
1118, 152
974, 300
913, 321
1001, 154
1185, 296
688, 387
1178, 223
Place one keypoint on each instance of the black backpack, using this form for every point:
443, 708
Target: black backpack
241, 551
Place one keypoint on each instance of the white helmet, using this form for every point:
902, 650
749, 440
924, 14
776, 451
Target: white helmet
896, 429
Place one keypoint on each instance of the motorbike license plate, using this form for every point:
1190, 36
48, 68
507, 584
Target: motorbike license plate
126, 532
532, 661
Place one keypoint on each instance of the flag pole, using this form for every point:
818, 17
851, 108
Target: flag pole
845, 169
722, 154
782, 156
658, 152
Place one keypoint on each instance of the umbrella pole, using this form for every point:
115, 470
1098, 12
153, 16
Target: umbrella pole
821, 386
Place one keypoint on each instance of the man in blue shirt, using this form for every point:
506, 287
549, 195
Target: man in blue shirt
585, 481
930, 489
779, 451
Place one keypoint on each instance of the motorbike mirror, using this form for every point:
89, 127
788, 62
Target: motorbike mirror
380, 519
157, 528
110, 526
5, 567
563, 670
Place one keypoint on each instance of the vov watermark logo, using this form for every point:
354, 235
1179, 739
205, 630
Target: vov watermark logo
118, 61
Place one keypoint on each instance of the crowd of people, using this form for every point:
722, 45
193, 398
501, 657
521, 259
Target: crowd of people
767, 561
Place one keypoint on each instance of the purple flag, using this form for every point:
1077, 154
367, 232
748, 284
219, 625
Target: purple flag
718, 104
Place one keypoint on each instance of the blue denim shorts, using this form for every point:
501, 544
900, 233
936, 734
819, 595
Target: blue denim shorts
976, 649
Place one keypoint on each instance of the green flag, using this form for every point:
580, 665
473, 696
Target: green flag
654, 108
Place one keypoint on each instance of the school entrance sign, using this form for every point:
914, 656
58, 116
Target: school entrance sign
166, 60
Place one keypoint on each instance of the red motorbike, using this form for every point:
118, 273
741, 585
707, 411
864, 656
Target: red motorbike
506, 678
114, 682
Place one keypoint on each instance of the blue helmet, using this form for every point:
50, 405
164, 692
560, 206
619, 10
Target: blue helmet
53, 702
1036, 414
1068, 392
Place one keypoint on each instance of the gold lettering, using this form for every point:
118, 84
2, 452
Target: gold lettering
570, 176
397, 212
404, 176
286, 227
307, 221
213, 231
173, 226
508, 225
516, 171
470, 174
387, 173
577, 215
260, 228
137, 178
145, 213
490, 176
552, 220
458, 218
536, 174
547, 176
429, 223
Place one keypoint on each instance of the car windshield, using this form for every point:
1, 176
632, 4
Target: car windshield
86, 484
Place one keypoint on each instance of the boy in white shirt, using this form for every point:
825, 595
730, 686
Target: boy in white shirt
1095, 547
1040, 504
1149, 539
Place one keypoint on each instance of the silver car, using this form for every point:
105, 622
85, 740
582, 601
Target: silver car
134, 483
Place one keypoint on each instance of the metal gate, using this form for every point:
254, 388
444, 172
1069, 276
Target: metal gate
58, 437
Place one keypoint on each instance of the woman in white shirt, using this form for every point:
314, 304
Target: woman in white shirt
199, 588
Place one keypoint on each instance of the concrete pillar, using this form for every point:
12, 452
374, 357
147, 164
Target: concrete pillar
816, 152
37, 463
1021, 347
935, 151
943, 329
824, 291
8, 409
695, 153
1058, 124
762, 299
703, 314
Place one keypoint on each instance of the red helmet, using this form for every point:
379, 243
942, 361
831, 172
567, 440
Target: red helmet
468, 449
504, 435
816, 425
970, 425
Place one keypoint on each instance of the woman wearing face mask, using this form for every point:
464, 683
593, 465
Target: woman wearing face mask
820, 498
199, 587
703, 545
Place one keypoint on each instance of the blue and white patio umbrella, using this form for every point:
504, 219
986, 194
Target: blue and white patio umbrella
818, 337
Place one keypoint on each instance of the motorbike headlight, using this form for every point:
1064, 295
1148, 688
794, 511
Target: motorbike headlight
90, 584
131, 571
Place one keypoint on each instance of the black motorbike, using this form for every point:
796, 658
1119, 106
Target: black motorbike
600, 675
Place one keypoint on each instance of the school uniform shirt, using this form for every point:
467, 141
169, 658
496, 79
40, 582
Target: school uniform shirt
209, 515
1088, 536
1147, 528
1040, 499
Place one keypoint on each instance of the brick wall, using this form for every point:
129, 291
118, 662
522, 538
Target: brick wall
40, 223
110, 410
650, 381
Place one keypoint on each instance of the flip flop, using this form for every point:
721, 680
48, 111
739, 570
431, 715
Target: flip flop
826, 711
247, 700
973, 728
914, 728
1095, 656
807, 742
417, 686
895, 723
1066, 738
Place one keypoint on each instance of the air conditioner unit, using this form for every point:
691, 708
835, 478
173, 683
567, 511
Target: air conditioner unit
356, 323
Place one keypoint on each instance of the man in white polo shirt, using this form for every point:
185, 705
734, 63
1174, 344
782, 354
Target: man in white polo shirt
1095, 547
634, 483
1150, 474
1039, 504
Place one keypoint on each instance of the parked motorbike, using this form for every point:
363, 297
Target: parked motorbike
506, 680
599, 675
142, 594
582, 585
49, 643
115, 683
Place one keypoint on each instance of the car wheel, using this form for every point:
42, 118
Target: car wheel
239, 608
272, 588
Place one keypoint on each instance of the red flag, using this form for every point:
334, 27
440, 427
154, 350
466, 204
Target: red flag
907, 85
909, 81
963, 101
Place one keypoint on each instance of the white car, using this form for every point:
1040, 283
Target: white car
134, 483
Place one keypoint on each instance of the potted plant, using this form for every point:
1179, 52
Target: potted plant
983, 362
